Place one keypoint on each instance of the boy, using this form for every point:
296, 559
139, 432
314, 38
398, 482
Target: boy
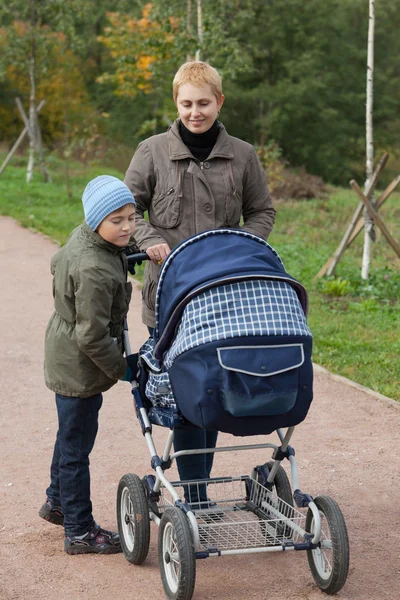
84, 353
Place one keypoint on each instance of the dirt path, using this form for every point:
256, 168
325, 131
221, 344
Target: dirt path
348, 447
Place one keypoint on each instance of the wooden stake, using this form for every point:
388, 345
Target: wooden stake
19, 140
35, 138
378, 203
332, 262
375, 217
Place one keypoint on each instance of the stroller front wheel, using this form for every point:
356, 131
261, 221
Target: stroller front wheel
329, 563
176, 555
133, 519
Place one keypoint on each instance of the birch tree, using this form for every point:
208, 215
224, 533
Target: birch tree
369, 232
199, 29
35, 137
28, 13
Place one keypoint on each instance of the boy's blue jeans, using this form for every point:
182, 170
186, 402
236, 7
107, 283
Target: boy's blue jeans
69, 472
194, 466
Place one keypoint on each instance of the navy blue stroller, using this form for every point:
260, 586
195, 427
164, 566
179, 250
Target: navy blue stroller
231, 352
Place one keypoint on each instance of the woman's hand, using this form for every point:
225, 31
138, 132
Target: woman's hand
158, 253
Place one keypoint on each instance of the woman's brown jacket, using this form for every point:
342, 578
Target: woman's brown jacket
184, 196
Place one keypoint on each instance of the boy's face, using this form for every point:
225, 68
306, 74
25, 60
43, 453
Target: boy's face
118, 226
197, 107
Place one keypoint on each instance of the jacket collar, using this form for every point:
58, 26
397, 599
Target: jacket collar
178, 150
97, 240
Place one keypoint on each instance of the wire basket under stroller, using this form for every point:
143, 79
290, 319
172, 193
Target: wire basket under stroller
231, 352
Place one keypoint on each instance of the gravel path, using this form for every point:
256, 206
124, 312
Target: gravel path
348, 447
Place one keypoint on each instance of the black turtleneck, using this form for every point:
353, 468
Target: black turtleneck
200, 144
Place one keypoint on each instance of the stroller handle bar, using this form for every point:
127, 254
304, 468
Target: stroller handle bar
134, 259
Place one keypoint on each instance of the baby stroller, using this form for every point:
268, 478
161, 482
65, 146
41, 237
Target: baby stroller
231, 352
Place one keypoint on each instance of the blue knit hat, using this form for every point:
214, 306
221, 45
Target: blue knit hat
102, 196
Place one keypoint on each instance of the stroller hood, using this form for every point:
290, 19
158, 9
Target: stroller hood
207, 260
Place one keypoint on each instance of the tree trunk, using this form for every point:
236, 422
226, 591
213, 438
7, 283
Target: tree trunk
188, 23
32, 113
368, 227
35, 143
67, 149
199, 30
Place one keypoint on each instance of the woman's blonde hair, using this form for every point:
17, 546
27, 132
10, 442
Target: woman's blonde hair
197, 73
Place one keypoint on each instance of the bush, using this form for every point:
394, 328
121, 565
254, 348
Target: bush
284, 183
300, 186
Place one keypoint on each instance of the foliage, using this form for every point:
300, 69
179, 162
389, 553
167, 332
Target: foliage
58, 80
336, 287
271, 160
294, 72
306, 89
135, 46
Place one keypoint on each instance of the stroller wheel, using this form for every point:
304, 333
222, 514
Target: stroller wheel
282, 486
148, 484
279, 496
176, 555
133, 519
329, 563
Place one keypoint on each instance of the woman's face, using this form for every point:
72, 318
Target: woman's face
197, 107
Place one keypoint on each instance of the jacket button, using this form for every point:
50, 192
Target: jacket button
208, 207
206, 165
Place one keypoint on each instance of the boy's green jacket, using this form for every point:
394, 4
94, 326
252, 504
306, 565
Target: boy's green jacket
83, 346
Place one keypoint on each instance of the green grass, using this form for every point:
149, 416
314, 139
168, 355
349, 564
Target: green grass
46, 207
356, 324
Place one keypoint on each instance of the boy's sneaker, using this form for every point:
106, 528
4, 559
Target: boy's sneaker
52, 514
97, 541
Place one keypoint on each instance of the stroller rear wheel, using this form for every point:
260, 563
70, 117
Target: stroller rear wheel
133, 519
282, 490
282, 485
176, 555
329, 563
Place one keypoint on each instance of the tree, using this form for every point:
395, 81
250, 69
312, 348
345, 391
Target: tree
369, 233
59, 80
146, 52
136, 45
29, 13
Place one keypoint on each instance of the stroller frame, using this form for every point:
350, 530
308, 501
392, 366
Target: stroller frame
279, 513
247, 514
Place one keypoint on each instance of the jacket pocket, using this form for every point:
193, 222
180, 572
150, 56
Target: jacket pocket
259, 380
149, 293
128, 293
234, 203
165, 209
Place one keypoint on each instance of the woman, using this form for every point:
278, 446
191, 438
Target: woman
193, 178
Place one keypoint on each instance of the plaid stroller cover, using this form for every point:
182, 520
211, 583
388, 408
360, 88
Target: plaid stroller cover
232, 348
